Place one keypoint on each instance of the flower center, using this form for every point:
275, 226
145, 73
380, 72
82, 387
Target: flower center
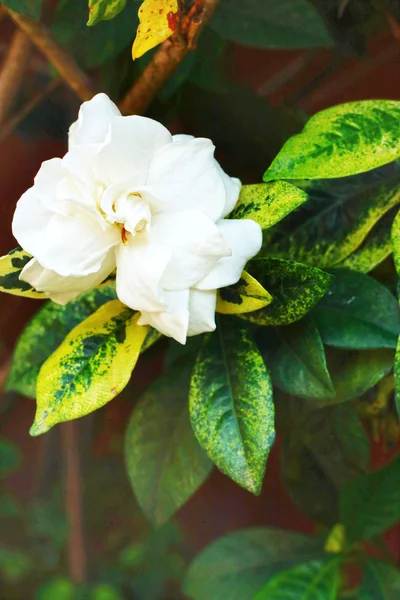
128, 210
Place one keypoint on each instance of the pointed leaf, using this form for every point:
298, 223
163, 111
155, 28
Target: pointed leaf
92, 366
157, 23
104, 10
268, 203
340, 141
231, 406
247, 295
165, 463
11, 266
381, 581
295, 289
395, 237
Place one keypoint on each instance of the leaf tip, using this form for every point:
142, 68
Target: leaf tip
38, 428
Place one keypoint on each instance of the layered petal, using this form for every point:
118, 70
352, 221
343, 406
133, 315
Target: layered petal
201, 311
232, 191
244, 237
93, 121
195, 243
172, 322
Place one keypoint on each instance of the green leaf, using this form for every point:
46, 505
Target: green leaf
11, 266
247, 295
268, 203
165, 463
358, 313
271, 24
9, 457
295, 289
46, 331
340, 141
370, 504
297, 361
395, 238
380, 581
104, 10
28, 8
235, 566
91, 366
315, 580
231, 406
103, 591
14, 565
60, 588
397, 377
9, 507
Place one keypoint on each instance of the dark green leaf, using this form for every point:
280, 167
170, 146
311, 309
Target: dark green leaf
380, 581
370, 504
294, 287
9, 457
60, 588
237, 565
14, 564
104, 10
28, 8
231, 406
358, 313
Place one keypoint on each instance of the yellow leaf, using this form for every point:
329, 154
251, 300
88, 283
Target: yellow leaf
92, 365
336, 540
11, 266
157, 23
247, 295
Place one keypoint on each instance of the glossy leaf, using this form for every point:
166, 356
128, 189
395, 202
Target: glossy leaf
28, 8
358, 313
247, 295
370, 504
342, 140
268, 203
157, 22
297, 361
231, 406
315, 580
46, 331
91, 366
165, 463
104, 10
11, 266
271, 24
395, 238
295, 289
381, 581
238, 564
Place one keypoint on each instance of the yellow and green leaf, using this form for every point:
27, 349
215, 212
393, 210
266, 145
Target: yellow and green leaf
11, 266
247, 295
157, 23
91, 366
104, 10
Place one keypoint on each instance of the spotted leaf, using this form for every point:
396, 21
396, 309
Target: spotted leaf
157, 23
104, 10
231, 406
340, 141
247, 295
91, 366
11, 266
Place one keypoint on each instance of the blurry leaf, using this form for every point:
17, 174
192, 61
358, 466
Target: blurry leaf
103, 591
208, 72
11, 266
315, 580
358, 313
158, 20
104, 10
381, 581
46, 331
231, 406
60, 589
342, 140
297, 361
268, 203
370, 504
46, 520
271, 24
9, 457
397, 377
335, 543
295, 289
238, 564
165, 463
14, 565
92, 366
9, 506
28, 8
246, 295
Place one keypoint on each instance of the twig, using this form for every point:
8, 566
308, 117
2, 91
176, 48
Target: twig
62, 61
13, 70
76, 545
166, 60
14, 121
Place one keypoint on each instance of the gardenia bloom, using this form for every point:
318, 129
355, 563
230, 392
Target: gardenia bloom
130, 196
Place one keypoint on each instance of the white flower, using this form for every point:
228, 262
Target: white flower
131, 197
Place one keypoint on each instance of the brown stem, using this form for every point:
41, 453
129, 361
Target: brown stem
13, 70
76, 544
65, 65
166, 60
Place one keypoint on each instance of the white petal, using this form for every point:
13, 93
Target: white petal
201, 311
196, 245
140, 267
232, 189
93, 121
185, 175
244, 237
182, 137
133, 141
63, 289
31, 218
172, 322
